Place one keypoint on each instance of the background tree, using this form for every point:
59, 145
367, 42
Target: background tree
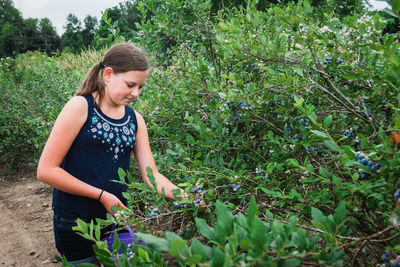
10, 33
71, 40
89, 30
48, 33
18, 35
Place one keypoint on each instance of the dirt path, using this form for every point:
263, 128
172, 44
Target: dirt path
26, 232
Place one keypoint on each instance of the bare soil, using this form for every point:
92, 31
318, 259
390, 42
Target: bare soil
26, 227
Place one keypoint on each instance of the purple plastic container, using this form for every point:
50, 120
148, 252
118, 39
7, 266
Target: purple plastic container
126, 238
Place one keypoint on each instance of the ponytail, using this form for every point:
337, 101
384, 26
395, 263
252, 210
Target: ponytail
93, 83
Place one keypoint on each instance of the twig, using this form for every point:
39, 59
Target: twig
357, 252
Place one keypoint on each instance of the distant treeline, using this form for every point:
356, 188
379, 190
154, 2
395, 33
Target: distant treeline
19, 35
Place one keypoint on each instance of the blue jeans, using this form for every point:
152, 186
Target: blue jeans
68, 242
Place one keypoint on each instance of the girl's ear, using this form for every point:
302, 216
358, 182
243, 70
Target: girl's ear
107, 74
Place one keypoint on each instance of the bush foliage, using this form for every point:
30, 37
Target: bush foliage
286, 122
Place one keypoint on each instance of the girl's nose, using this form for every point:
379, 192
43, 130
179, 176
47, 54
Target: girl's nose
135, 92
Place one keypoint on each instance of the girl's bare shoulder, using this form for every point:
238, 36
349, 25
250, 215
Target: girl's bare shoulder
76, 109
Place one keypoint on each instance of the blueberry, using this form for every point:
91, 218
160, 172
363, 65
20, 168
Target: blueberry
364, 162
397, 194
386, 259
358, 155
370, 164
151, 222
374, 168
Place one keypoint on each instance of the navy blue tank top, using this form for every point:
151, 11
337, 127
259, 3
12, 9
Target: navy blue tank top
102, 146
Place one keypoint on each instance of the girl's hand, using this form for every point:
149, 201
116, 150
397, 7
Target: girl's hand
108, 200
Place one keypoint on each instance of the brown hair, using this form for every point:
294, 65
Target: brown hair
120, 57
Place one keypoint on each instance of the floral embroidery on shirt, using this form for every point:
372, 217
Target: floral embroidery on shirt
117, 136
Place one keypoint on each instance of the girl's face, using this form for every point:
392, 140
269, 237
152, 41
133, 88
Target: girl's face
122, 88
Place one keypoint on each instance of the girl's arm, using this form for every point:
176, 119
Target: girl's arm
65, 129
144, 158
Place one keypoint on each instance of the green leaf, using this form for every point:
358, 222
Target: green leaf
117, 243
151, 177
299, 71
224, 218
143, 255
300, 240
319, 134
176, 247
292, 262
121, 174
299, 103
218, 258
193, 259
86, 265
198, 155
328, 121
198, 248
252, 212
258, 235
317, 215
153, 242
190, 139
126, 195
97, 232
82, 225
395, 5
340, 212
331, 145
205, 230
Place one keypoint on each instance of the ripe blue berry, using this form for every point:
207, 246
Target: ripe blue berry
328, 59
397, 194
370, 164
363, 175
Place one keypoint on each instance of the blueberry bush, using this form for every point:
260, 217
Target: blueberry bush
285, 124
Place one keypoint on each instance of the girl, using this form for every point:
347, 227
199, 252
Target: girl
92, 137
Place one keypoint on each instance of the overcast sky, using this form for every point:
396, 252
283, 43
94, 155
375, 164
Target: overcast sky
57, 10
